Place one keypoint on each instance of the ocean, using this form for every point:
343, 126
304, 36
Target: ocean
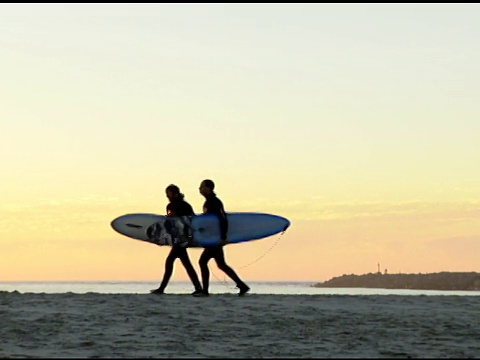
216, 287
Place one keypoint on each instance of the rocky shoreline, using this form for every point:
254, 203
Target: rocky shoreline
469, 281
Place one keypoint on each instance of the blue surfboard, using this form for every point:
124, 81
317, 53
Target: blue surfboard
198, 230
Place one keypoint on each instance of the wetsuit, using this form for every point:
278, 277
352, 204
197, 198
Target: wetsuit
179, 207
213, 205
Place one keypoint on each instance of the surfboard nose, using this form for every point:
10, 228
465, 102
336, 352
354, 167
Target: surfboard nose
135, 225
121, 222
114, 223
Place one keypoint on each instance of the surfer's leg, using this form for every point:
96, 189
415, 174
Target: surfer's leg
183, 255
222, 265
168, 268
203, 262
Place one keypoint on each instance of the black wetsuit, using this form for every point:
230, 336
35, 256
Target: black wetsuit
213, 205
179, 207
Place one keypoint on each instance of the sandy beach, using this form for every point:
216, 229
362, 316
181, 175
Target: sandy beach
225, 325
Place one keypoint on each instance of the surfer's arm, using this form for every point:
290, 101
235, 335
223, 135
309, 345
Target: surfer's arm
216, 207
222, 216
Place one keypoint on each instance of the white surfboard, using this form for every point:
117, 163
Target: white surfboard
198, 230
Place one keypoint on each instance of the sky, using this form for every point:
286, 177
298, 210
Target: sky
360, 123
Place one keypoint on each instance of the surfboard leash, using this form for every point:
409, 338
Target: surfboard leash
264, 253
225, 281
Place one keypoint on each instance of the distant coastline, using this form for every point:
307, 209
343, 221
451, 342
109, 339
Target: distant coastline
469, 281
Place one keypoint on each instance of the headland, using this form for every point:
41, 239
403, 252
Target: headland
469, 281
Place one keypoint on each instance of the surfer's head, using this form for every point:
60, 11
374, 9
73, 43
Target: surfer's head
173, 191
206, 187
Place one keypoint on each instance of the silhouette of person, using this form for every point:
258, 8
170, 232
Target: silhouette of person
178, 207
213, 205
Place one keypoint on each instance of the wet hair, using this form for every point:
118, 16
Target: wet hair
175, 190
209, 184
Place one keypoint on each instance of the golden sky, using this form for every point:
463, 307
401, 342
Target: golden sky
358, 123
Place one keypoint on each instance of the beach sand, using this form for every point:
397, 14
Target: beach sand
224, 325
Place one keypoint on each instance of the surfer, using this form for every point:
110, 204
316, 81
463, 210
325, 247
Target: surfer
213, 205
178, 207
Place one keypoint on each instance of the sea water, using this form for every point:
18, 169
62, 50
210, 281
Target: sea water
216, 287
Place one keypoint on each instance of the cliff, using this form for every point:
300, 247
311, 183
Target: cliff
434, 281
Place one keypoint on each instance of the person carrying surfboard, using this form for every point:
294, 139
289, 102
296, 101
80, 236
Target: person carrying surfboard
213, 205
178, 207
